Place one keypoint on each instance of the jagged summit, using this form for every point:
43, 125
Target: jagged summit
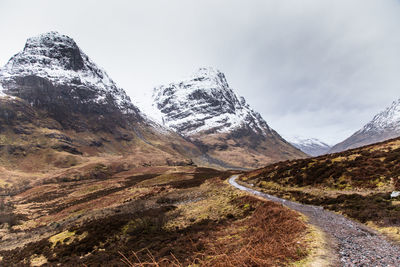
205, 102
385, 125
56, 46
210, 75
57, 59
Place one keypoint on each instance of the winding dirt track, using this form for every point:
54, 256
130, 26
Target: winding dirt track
354, 243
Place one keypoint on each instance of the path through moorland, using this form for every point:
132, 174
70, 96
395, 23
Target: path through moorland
356, 244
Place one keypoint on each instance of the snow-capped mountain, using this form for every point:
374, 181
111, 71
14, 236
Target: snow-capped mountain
385, 125
57, 59
311, 146
205, 102
206, 110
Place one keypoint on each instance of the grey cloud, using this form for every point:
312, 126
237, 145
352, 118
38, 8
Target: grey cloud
317, 68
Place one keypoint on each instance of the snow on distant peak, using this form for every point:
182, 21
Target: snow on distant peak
310, 146
57, 58
387, 120
205, 102
306, 141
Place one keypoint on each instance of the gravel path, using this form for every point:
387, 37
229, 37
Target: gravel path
357, 245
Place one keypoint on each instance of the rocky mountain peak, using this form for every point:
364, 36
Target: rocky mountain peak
205, 102
52, 67
55, 46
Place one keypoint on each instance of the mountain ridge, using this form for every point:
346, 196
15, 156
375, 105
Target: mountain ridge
384, 126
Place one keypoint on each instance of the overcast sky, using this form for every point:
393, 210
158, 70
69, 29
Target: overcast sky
313, 68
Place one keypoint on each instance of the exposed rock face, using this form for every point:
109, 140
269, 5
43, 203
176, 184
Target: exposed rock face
310, 146
383, 126
207, 111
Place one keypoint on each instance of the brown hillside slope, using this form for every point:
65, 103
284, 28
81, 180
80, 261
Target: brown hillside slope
356, 183
31, 140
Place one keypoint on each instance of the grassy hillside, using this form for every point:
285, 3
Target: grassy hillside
356, 183
110, 211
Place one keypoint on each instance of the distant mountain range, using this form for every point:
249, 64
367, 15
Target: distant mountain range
310, 146
56, 101
385, 125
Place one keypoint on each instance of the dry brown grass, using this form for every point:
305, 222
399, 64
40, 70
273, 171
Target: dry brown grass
271, 236
374, 167
150, 262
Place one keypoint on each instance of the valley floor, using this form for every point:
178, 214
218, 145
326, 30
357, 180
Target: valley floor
354, 244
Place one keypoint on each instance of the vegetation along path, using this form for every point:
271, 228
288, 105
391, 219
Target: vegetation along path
355, 244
